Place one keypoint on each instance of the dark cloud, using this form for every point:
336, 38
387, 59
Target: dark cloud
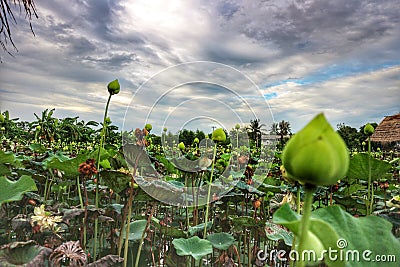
340, 49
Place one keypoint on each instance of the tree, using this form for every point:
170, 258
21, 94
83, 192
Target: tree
283, 130
6, 13
274, 129
255, 131
350, 136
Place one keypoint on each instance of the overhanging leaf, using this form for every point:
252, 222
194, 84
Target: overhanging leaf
117, 181
19, 253
5, 157
319, 230
14, 190
136, 230
199, 228
68, 165
358, 168
276, 232
361, 234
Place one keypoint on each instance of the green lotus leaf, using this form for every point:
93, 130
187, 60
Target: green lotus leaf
194, 246
358, 168
14, 190
221, 240
136, 230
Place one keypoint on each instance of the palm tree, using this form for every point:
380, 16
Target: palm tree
255, 131
6, 13
274, 129
284, 130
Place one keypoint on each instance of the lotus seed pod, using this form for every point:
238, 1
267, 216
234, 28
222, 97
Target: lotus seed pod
316, 155
218, 135
148, 127
113, 87
181, 146
369, 129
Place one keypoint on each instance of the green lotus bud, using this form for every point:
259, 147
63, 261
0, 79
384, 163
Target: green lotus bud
181, 146
237, 126
38, 128
108, 121
196, 140
148, 127
316, 155
113, 87
1, 118
165, 129
218, 135
2, 129
363, 143
369, 129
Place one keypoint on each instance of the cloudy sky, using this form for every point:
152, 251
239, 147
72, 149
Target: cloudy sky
273, 60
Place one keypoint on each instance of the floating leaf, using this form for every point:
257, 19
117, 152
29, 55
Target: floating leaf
14, 190
194, 246
221, 240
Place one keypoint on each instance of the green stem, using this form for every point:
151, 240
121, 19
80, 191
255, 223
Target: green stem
186, 202
209, 193
305, 220
143, 235
128, 224
298, 198
370, 196
102, 140
82, 207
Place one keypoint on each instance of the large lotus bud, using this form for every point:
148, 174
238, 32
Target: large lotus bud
316, 154
369, 129
218, 135
113, 87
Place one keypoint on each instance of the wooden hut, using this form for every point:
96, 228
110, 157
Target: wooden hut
388, 132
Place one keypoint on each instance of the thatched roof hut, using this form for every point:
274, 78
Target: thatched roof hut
388, 130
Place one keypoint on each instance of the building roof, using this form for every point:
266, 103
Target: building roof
388, 130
